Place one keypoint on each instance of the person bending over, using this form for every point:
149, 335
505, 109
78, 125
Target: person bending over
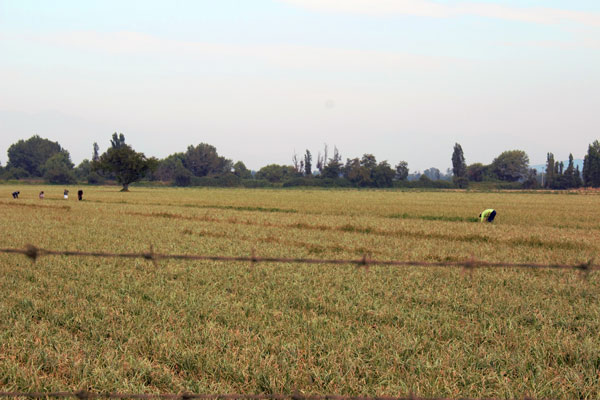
488, 215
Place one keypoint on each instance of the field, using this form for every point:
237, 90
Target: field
68, 323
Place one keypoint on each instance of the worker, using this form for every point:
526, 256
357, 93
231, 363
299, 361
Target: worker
488, 215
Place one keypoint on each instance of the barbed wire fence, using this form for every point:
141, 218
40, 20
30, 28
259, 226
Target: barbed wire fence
33, 253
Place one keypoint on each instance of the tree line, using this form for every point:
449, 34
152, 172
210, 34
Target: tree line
201, 165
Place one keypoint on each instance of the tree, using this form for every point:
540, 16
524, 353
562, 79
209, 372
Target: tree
240, 170
298, 164
307, 163
356, 173
127, 165
32, 154
383, 175
276, 173
476, 172
402, 171
591, 165
511, 165
459, 167
333, 169
83, 170
577, 179
531, 181
322, 159
59, 169
432, 173
96, 154
169, 167
571, 175
117, 140
550, 168
203, 160
181, 175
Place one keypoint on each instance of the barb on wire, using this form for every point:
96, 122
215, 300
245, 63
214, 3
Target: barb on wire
86, 395
34, 253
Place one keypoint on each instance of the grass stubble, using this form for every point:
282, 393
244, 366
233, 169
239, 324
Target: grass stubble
68, 323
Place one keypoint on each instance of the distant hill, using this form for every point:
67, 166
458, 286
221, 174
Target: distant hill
542, 167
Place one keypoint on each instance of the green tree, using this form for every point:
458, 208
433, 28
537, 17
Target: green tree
83, 170
308, 163
433, 174
276, 173
402, 171
550, 170
573, 181
383, 175
96, 154
32, 154
117, 140
203, 160
591, 165
511, 165
240, 170
357, 173
168, 167
127, 165
459, 167
333, 169
476, 172
59, 169
530, 181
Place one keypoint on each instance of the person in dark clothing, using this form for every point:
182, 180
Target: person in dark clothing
80, 194
15, 195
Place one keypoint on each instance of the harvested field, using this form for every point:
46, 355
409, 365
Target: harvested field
68, 323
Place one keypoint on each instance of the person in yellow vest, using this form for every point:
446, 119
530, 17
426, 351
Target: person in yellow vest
488, 215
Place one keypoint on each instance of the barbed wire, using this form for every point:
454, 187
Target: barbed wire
85, 395
33, 253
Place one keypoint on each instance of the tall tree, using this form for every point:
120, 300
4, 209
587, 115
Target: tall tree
96, 153
459, 167
117, 140
307, 163
550, 168
127, 165
591, 165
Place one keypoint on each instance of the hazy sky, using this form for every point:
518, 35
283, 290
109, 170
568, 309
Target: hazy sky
258, 79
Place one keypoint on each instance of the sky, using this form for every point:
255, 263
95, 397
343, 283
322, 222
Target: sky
263, 79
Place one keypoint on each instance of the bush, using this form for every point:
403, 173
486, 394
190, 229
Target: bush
15, 173
228, 180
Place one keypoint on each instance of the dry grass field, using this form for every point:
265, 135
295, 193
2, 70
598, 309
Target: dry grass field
68, 323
